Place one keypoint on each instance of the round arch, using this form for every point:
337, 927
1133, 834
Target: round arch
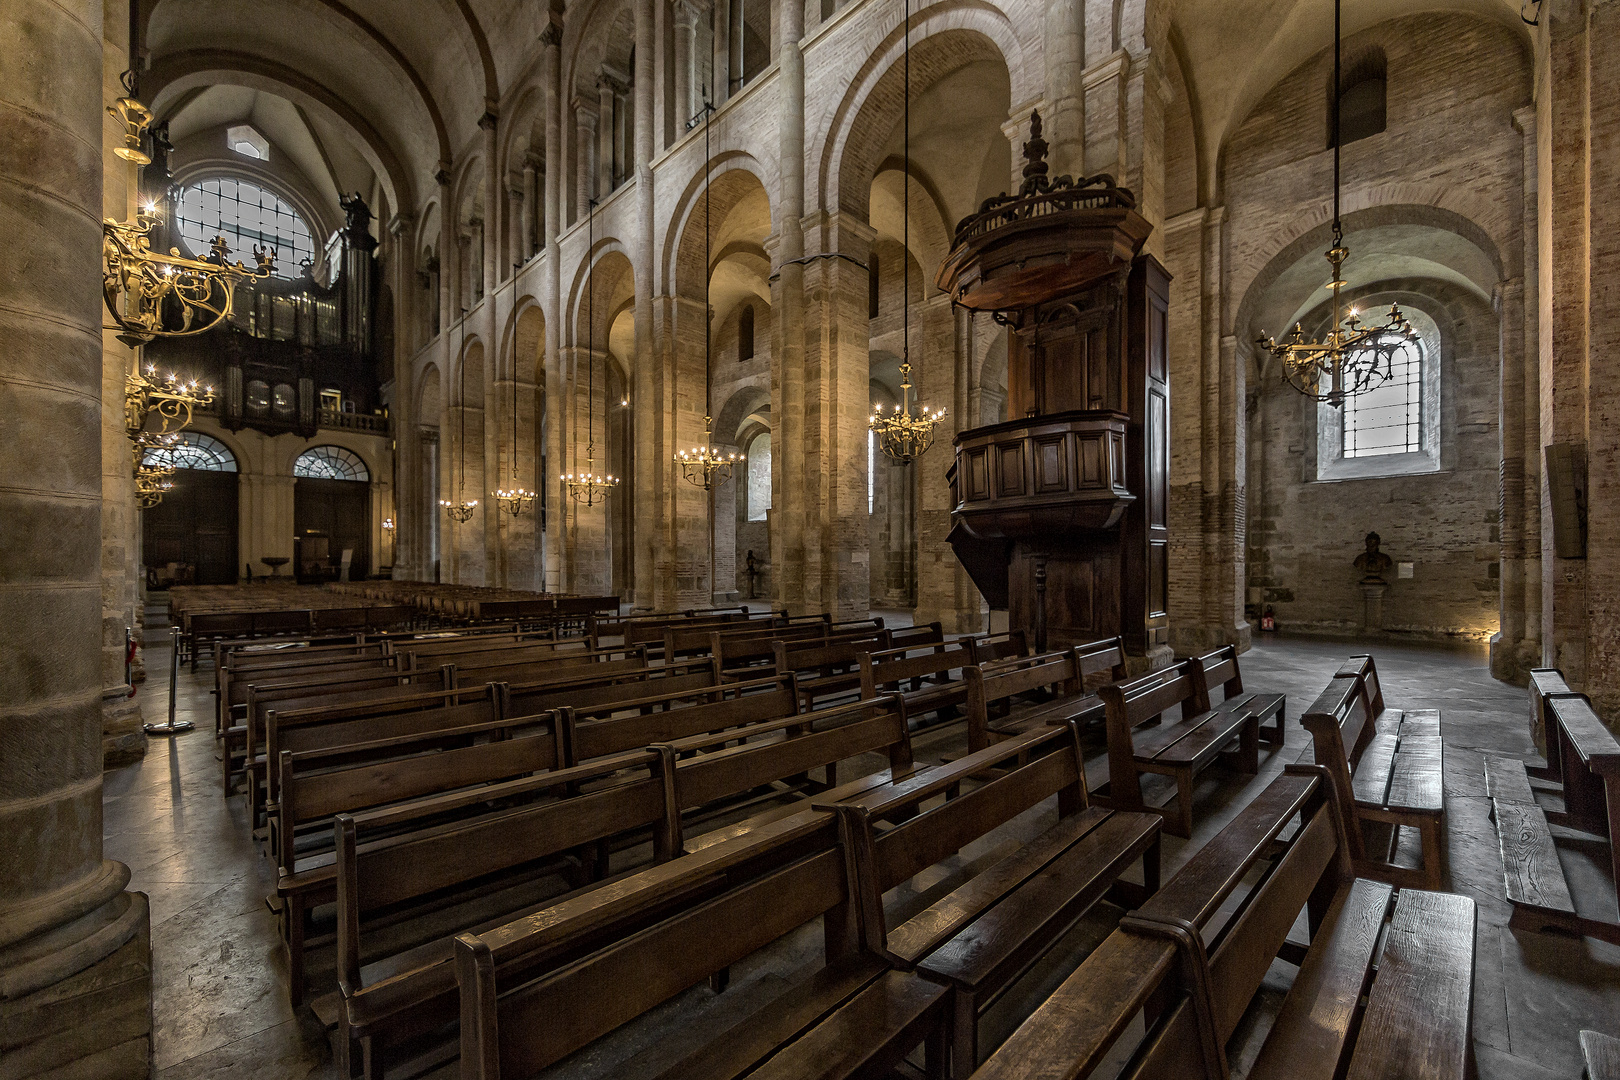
944, 37
735, 175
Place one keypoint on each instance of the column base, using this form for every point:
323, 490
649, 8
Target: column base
1511, 661
123, 741
96, 1022
1198, 640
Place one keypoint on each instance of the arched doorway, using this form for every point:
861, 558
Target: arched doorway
331, 513
192, 533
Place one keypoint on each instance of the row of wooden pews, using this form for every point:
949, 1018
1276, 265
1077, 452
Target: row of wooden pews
508, 848
1583, 774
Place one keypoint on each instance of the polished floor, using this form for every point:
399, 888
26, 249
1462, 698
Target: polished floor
220, 986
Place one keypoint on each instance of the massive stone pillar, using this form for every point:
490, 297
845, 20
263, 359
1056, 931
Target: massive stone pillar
75, 953
1565, 258
787, 520
607, 91
645, 457
405, 551
837, 404
940, 351
1065, 63
720, 27
495, 347
555, 499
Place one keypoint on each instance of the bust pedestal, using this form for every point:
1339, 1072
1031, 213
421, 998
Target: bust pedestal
1372, 612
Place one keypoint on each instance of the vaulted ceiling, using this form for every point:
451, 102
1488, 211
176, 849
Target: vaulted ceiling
409, 81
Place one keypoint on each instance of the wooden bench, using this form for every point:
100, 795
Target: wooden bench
1389, 763
598, 730
1142, 739
1379, 993
988, 648
230, 707
695, 772
991, 929
738, 651
1585, 757
824, 670
1220, 668
853, 1017
921, 678
1601, 1054
1058, 680
602, 688
540, 667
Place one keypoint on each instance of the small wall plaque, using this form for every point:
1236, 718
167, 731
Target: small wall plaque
1403, 570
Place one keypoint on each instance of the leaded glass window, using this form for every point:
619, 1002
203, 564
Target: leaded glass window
330, 463
246, 215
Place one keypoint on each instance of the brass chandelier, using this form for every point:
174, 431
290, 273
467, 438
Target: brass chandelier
169, 401
462, 510
147, 292
905, 435
516, 500
589, 486
1355, 357
704, 466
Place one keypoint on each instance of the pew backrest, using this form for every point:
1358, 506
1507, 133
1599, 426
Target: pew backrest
614, 727
886, 668
988, 648
595, 688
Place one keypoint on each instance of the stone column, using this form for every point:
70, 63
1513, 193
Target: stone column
530, 198
585, 118
551, 40
1065, 111
837, 404
787, 520
75, 953
686, 22
495, 348
403, 421
940, 374
123, 739
643, 438
1567, 223
1507, 659
607, 89
734, 55
720, 27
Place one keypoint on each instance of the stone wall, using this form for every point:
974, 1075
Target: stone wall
1305, 532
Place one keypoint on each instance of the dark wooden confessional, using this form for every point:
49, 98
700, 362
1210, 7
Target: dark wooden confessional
1061, 512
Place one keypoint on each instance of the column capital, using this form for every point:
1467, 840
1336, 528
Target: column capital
612, 83
488, 121
551, 36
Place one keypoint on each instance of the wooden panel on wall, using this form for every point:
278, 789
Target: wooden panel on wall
340, 510
1051, 463
1010, 480
196, 525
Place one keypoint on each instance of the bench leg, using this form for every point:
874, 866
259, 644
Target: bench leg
964, 1034
937, 1053
1181, 825
1249, 746
1430, 832
292, 911
1272, 735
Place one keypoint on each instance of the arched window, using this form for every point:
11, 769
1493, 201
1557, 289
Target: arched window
1389, 419
1394, 428
759, 476
872, 286
1362, 99
246, 215
193, 450
330, 463
745, 334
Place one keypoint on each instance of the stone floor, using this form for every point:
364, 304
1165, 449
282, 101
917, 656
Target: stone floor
219, 983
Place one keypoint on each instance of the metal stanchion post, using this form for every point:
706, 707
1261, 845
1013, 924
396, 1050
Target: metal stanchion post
173, 727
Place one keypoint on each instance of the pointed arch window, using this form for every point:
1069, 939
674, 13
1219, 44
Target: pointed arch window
330, 463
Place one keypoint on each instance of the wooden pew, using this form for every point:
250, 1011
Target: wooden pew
613, 727
854, 1017
988, 648
1601, 1053
740, 651
1220, 668
602, 688
1584, 757
824, 670
1389, 764
1190, 960
926, 672
1179, 747
542, 667
317, 785
231, 680
698, 772
1059, 678
984, 934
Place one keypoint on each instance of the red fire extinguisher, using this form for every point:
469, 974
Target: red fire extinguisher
1268, 619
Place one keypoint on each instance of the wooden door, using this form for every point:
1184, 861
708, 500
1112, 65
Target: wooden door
341, 511
196, 525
